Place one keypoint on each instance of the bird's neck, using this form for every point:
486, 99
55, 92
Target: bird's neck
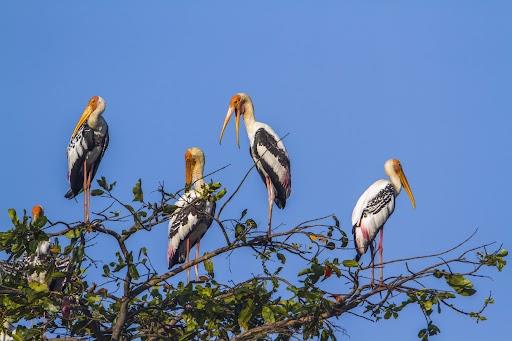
197, 177
95, 121
395, 180
248, 116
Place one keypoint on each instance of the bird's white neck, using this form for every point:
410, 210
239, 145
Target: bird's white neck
397, 184
95, 121
249, 119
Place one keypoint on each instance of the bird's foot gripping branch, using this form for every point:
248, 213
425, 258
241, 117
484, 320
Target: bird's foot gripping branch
297, 284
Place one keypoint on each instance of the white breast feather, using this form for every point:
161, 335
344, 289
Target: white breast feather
372, 222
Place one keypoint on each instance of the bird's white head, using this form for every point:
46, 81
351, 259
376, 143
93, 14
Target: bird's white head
194, 165
394, 170
92, 111
239, 104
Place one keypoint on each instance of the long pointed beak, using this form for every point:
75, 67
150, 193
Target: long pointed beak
231, 110
226, 121
188, 174
237, 128
85, 116
407, 187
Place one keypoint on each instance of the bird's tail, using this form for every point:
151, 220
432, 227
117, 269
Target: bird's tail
358, 257
70, 195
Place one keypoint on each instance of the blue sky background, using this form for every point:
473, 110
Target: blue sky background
354, 83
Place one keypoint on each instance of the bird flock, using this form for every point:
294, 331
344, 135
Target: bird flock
194, 213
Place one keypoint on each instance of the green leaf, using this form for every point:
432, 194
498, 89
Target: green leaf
336, 221
208, 266
268, 315
220, 194
93, 299
102, 183
350, 263
12, 215
97, 192
38, 287
246, 314
138, 195
502, 253
215, 186
344, 239
133, 271
281, 257
74, 233
460, 284
330, 246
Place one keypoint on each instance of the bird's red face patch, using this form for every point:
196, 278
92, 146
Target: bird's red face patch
235, 101
37, 211
93, 102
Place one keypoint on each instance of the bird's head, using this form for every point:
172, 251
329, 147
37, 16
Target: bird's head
194, 161
96, 106
37, 211
237, 105
394, 170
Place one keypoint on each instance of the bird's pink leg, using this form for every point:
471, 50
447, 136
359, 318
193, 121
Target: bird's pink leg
380, 254
196, 267
85, 192
270, 190
187, 252
89, 179
372, 252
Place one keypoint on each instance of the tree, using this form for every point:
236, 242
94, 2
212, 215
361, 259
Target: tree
135, 301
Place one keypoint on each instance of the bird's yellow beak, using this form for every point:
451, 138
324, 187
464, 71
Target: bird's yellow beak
237, 124
188, 170
405, 183
85, 116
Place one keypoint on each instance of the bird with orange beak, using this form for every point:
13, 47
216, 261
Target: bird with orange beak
374, 208
193, 215
267, 151
85, 150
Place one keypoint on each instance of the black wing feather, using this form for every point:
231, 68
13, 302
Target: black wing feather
265, 139
92, 146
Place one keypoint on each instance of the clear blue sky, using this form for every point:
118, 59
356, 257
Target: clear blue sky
353, 82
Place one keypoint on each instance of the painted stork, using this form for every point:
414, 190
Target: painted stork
42, 258
266, 149
85, 150
193, 215
374, 208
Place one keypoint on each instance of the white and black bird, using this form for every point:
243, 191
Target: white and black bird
266, 149
36, 266
85, 150
375, 206
193, 215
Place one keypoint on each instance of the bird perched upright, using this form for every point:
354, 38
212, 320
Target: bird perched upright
375, 206
266, 149
193, 215
85, 150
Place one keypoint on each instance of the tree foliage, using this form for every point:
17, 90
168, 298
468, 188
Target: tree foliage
136, 301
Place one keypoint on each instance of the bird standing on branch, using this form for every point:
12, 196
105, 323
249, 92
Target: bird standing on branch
193, 215
266, 149
85, 151
373, 209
